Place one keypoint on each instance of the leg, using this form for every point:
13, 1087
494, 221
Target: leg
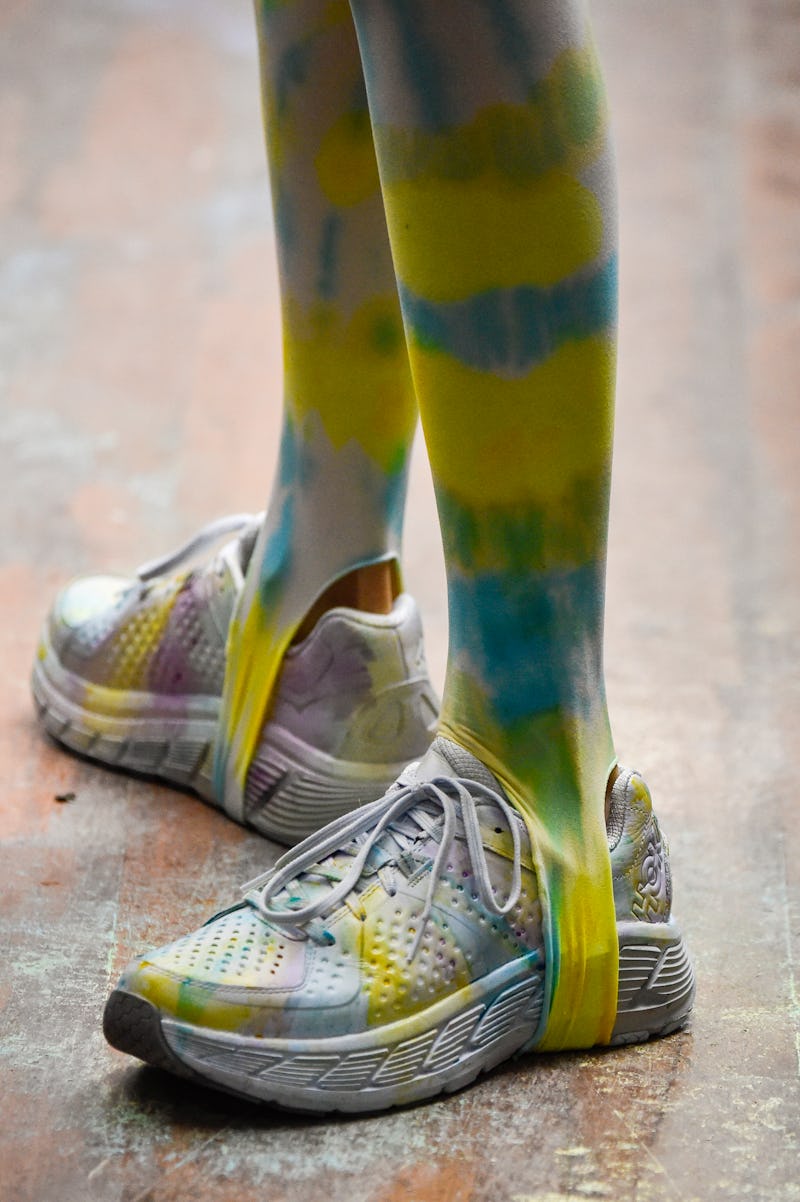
349, 408
491, 136
133, 671
468, 914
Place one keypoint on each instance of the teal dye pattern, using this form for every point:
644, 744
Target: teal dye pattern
527, 538
292, 72
515, 46
329, 256
423, 65
284, 219
533, 649
510, 330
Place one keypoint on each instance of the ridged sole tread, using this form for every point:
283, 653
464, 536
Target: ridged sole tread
296, 799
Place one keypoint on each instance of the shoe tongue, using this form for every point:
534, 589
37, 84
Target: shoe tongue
446, 758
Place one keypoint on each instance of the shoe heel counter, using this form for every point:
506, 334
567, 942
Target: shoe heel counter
398, 721
357, 687
640, 864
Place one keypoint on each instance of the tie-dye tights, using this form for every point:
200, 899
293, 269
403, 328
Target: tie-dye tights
475, 132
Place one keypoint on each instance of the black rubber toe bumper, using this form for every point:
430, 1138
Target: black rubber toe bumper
133, 1025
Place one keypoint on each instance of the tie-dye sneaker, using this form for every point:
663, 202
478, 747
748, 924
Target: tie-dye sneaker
130, 672
397, 954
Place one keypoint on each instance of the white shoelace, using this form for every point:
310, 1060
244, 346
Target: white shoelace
363, 828
212, 532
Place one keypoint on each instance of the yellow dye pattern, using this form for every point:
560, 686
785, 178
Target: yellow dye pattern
193, 1005
539, 432
499, 208
353, 372
345, 163
570, 850
137, 640
455, 238
250, 678
561, 125
335, 12
390, 977
283, 134
162, 990
583, 1008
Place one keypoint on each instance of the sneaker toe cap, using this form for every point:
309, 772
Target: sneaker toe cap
230, 975
86, 607
88, 597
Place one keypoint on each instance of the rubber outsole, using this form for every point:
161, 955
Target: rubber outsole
133, 1025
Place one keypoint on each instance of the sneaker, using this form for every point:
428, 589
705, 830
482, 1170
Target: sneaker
396, 954
130, 672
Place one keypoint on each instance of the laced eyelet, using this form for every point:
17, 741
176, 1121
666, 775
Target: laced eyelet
362, 831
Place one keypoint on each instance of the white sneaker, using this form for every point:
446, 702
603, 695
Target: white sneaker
130, 672
398, 953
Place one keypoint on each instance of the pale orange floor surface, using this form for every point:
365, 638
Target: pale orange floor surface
140, 373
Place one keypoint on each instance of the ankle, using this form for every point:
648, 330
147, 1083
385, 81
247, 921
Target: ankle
372, 588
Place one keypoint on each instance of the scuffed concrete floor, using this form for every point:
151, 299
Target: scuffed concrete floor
139, 352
